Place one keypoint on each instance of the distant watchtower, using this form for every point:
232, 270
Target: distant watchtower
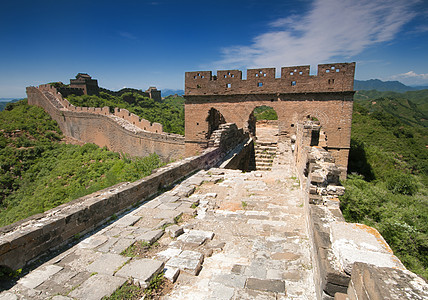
84, 82
154, 93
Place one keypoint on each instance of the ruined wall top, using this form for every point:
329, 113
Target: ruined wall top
337, 77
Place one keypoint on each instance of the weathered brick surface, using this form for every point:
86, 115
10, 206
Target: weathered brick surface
327, 97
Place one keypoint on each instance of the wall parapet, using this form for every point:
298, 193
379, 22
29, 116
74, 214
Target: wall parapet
345, 253
115, 131
119, 112
26, 240
336, 77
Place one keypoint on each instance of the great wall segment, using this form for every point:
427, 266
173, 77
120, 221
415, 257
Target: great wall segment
120, 131
220, 233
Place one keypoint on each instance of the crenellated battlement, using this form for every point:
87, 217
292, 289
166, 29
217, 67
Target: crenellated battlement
336, 77
118, 112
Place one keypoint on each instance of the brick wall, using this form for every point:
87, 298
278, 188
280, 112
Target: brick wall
295, 96
120, 132
26, 240
336, 77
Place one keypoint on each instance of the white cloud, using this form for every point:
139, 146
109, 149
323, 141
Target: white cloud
330, 29
412, 78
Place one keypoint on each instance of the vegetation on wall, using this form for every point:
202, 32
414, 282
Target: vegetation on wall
169, 112
39, 172
388, 171
265, 113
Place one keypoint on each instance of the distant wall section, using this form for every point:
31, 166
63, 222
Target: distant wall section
121, 131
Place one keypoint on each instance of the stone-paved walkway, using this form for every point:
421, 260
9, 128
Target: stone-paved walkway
246, 239
258, 220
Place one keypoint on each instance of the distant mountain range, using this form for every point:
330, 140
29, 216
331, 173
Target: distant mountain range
5, 101
168, 92
379, 85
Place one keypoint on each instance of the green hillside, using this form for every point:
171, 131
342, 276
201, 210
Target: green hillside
169, 112
39, 172
388, 176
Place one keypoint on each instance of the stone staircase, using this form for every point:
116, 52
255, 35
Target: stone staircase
265, 154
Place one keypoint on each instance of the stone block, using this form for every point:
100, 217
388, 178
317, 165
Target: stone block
189, 261
268, 285
38, 276
170, 273
152, 204
151, 236
141, 270
167, 198
372, 282
107, 264
97, 287
127, 220
174, 230
195, 237
121, 245
360, 243
230, 280
92, 242
168, 214
222, 292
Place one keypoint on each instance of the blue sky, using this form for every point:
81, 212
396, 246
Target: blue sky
144, 43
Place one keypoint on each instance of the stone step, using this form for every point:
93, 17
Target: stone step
264, 156
268, 151
266, 147
265, 160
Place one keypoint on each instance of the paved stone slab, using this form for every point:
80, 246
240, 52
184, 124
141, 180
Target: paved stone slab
97, 287
121, 245
79, 259
152, 204
167, 198
142, 270
222, 292
185, 191
195, 237
196, 180
268, 285
39, 275
108, 263
151, 236
174, 230
63, 281
169, 205
93, 242
60, 297
168, 214
169, 253
8, 296
187, 260
127, 220
107, 245
230, 280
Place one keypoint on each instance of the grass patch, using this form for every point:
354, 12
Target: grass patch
158, 287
